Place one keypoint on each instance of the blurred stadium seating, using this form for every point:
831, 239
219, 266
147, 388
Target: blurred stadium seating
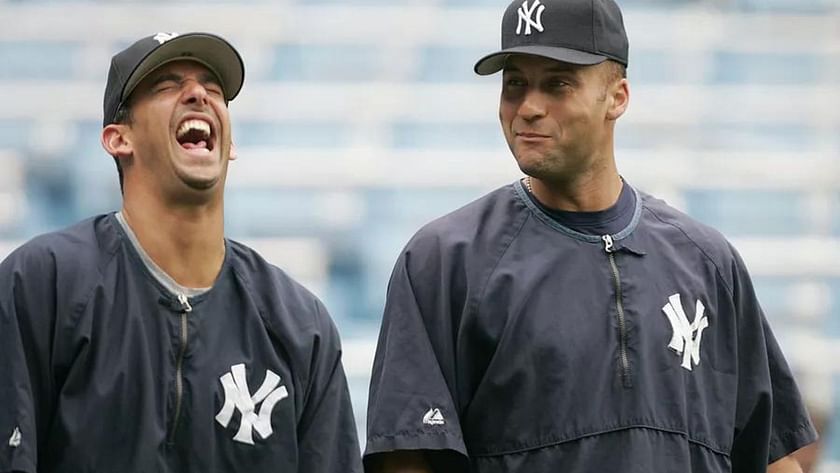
361, 120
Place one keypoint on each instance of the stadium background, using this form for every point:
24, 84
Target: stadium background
361, 120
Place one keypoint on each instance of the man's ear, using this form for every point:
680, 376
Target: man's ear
233, 154
619, 99
116, 142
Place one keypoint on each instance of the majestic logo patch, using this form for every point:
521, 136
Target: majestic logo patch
14, 440
433, 417
526, 17
164, 37
684, 341
238, 397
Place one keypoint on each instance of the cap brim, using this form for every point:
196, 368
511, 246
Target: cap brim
209, 50
495, 62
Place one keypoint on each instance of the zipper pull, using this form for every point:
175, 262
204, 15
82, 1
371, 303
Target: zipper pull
608, 243
185, 303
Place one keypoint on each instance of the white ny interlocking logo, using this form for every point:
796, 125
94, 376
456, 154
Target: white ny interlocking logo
683, 341
526, 16
164, 37
238, 397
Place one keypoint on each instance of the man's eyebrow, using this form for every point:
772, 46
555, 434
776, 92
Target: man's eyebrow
205, 78
209, 77
166, 77
552, 69
562, 69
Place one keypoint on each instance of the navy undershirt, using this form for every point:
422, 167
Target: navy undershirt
603, 222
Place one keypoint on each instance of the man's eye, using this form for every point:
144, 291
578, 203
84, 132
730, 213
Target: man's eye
515, 83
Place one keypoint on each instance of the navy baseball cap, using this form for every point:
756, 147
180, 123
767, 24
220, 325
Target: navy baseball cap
133, 64
584, 32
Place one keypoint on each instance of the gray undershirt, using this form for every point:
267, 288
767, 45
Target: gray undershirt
159, 274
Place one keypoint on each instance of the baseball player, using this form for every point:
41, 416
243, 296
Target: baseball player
567, 321
145, 341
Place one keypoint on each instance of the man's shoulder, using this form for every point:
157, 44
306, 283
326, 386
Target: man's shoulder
481, 218
680, 226
78, 248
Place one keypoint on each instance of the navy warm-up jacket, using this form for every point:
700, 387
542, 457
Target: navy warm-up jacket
521, 345
105, 370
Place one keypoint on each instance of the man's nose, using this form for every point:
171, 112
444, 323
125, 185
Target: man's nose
194, 92
532, 106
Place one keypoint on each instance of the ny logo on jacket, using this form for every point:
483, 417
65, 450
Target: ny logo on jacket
238, 397
683, 340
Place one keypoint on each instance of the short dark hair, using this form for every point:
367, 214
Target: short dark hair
122, 117
613, 72
616, 71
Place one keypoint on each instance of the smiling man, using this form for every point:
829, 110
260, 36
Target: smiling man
144, 340
567, 321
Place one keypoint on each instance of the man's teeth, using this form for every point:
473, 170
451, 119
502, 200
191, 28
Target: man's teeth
198, 125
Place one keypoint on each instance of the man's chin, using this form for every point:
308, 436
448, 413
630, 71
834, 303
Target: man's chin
531, 163
200, 183
196, 192
199, 178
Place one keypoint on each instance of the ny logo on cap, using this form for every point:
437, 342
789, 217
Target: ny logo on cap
526, 16
164, 37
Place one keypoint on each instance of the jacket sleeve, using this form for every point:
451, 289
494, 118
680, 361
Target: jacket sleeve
328, 441
411, 406
771, 419
26, 311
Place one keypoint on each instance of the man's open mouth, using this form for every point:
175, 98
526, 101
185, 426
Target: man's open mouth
195, 133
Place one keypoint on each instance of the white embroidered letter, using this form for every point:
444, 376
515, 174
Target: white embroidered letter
238, 397
526, 16
683, 340
164, 37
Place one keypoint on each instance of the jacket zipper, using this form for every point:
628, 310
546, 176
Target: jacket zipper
186, 308
622, 323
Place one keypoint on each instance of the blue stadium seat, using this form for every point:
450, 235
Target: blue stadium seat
793, 137
773, 293
659, 4
831, 327
326, 63
712, 135
831, 442
836, 214
449, 63
416, 207
15, 134
379, 245
466, 136
649, 66
749, 212
270, 212
283, 211
38, 60
93, 172
787, 6
767, 68
291, 135
471, 3
394, 216
346, 283
355, 2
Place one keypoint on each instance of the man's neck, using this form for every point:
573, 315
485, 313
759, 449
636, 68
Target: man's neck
186, 242
591, 192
